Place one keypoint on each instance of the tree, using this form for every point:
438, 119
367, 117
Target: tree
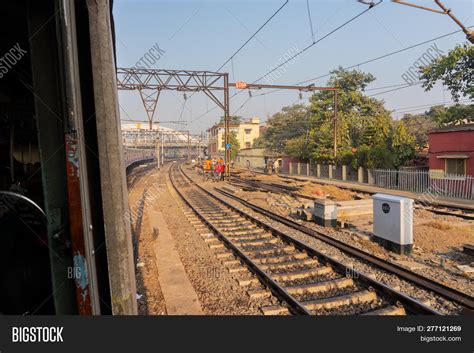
291, 122
455, 70
366, 135
403, 145
234, 145
456, 114
233, 119
419, 126
361, 119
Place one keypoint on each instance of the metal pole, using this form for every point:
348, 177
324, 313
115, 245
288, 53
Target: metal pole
226, 125
157, 149
335, 125
189, 148
162, 148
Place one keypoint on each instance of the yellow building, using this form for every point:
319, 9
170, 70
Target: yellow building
247, 132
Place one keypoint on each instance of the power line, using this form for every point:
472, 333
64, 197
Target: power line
396, 89
300, 52
384, 56
372, 60
310, 21
241, 106
319, 40
390, 86
237, 51
350, 67
253, 35
431, 105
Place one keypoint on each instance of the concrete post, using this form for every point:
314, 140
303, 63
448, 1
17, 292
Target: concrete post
360, 175
330, 171
318, 170
307, 169
290, 168
344, 173
112, 171
370, 180
325, 212
298, 168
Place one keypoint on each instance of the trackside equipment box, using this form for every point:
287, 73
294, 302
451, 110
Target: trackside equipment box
393, 222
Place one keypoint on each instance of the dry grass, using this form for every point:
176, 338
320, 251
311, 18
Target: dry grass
438, 225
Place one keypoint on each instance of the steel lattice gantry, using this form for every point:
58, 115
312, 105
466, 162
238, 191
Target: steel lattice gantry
150, 83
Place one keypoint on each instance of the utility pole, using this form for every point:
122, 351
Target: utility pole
226, 126
335, 125
189, 148
162, 148
157, 150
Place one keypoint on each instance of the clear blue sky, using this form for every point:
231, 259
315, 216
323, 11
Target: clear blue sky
202, 35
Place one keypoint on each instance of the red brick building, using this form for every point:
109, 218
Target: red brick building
451, 150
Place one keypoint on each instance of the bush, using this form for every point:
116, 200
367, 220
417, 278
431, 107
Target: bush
345, 158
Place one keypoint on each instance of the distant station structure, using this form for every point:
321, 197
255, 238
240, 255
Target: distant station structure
165, 142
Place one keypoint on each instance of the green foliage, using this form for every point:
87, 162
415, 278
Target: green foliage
361, 120
290, 123
419, 126
259, 142
455, 70
234, 145
377, 157
363, 125
456, 114
403, 145
234, 119
346, 158
298, 147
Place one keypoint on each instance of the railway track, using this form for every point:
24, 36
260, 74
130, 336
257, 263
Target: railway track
304, 280
293, 191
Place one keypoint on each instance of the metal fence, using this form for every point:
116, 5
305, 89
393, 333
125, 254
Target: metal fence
418, 181
455, 186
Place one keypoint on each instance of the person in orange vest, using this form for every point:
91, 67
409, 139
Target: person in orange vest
222, 171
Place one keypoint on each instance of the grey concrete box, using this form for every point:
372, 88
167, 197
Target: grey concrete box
325, 212
393, 222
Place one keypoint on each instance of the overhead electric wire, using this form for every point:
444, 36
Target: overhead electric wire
310, 20
396, 89
390, 86
432, 105
241, 106
349, 67
238, 50
253, 35
300, 52
372, 60
319, 40
385, 55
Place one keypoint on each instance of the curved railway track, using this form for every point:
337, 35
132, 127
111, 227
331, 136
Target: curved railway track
307, 281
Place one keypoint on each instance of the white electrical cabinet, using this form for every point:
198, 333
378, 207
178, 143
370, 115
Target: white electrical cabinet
393, 222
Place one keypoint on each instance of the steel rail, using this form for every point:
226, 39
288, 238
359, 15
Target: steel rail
422, 281
422, 204
411, 305
294, 306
